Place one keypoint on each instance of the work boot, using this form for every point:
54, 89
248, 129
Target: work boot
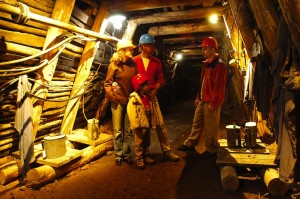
140, 164
171, 156
128, 161
118, 161
149, 160
185, 148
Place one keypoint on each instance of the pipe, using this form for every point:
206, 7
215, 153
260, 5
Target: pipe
15, 11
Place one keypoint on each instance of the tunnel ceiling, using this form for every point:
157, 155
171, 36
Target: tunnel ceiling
180, 25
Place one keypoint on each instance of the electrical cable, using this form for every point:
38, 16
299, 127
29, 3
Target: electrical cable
46, 51
83, 112
42, 64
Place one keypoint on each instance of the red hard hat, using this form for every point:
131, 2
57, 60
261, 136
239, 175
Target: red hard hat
209, 42
138, 80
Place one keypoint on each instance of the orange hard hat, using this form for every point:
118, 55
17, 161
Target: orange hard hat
209, 42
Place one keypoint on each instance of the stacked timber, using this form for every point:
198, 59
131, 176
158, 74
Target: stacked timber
20, 40
17, 39
9, 169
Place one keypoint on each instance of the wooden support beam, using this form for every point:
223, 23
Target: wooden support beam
10, 171
20, 28
62, 11
291, 13
189, 39
82, 74
183, 46
229, 178
22, 38
189, 52
151, 4
272, 181
39, 176
267, 20
130, 30
55, 23
179, 15
19, 49
186, 28
242, 18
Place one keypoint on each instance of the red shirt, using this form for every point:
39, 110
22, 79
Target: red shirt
154, 71
214, 76
146, 102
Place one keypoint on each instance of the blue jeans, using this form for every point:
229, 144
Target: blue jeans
122, 132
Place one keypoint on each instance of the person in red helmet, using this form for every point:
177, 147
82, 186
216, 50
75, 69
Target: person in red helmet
141, 119
150, 66
205, 129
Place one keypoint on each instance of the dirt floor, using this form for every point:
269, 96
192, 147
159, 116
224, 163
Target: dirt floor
193, 177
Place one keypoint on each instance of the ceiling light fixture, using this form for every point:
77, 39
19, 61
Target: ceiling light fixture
213, 19
117, 20
179, 56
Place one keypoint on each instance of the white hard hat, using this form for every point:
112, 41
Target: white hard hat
124, 43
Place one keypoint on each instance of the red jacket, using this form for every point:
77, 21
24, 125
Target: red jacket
213, 88
154, 71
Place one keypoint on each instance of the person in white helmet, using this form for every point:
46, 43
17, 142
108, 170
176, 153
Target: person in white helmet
205, 129
150, 66
117, 87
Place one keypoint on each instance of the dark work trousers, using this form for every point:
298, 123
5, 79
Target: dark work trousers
286, 150
297, 166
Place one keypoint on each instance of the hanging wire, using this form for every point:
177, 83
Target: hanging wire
83, 111
69, 39
43, 63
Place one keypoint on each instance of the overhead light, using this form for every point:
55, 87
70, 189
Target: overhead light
179, 56
117, 20
213, 19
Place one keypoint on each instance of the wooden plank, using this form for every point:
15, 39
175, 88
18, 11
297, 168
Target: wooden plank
62, 11
130, 30
291, 13
179, 15
70, 155
81, 136
82, 17
259, 149
41, 175
23, 38
21, 28
244, 22
186, 28
195, 38
40, 5
19, 49
267, 21
82, 74
151, 4
224, 157
78, 23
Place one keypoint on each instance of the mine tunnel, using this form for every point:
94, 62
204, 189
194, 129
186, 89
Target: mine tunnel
232, 63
